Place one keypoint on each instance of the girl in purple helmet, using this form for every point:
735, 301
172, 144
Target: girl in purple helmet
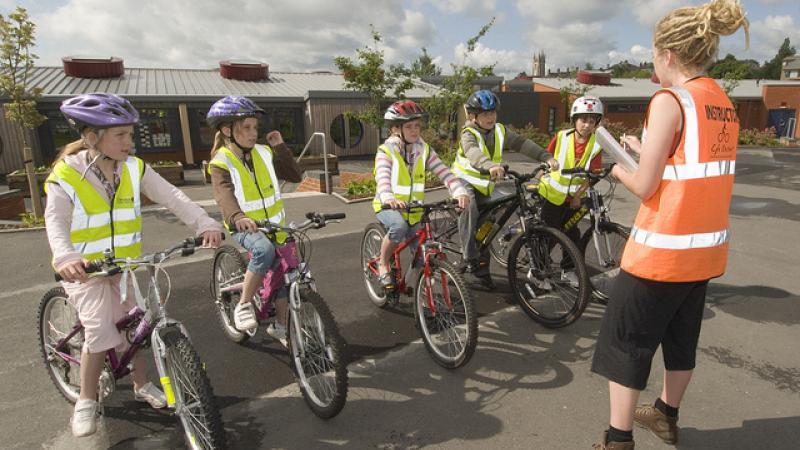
93, 203
245, 178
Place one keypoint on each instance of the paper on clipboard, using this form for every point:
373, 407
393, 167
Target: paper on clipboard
612, 147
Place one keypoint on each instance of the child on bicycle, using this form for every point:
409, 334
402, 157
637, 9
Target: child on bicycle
400, 166
245, 177
574, 147
483, 141
94, 203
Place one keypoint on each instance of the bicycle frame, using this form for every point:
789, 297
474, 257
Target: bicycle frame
423, 251
594, 206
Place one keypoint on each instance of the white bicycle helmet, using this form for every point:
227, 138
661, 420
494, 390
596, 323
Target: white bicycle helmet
587, 105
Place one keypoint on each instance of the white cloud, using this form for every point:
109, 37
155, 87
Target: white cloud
766, 37
296, 35
572, 44
648, 12
636, 54
569, 11
507, 63
468, 6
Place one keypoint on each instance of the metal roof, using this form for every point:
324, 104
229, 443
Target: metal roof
791, 62
640, 89
200, 84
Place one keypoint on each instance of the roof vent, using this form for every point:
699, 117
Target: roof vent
93, 67
243, 70
597, 78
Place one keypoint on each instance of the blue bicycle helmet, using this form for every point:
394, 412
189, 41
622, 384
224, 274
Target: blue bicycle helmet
231, 108
483, 100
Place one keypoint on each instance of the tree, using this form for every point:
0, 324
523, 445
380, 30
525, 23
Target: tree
455, 89
772, 69
368, 75
424, 66
16, 61
736, 68
588, 66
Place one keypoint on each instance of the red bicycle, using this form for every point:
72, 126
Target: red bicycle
443, 307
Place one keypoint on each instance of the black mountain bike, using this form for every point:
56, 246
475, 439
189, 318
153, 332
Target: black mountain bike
608, 238
546, 270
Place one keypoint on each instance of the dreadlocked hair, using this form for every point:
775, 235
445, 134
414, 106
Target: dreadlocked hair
693, 32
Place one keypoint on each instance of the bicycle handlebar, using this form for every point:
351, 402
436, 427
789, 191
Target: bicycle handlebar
594, 174
114, 266
441, 204
314, 220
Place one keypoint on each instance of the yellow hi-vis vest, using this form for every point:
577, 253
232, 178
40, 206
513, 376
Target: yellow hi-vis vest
464, 170
96, 225
555, 186
259, 198
404, 187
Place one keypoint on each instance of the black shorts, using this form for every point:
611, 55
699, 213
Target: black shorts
641, 315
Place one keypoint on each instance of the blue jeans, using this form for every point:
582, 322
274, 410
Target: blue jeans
397, 228
262, 254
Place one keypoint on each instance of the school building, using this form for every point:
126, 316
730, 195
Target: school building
760, 104
173, 104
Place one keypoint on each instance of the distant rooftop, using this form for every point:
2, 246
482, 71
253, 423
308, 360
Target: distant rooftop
145, 84
642, 89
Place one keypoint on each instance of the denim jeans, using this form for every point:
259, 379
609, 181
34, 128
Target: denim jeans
397, 228
262, 254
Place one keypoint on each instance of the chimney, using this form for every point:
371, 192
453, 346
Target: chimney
93, 67
243, 70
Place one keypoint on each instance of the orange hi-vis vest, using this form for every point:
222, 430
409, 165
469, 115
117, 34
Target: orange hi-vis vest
681, 233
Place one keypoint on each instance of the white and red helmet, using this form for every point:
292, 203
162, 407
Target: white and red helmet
587, 105
403, 111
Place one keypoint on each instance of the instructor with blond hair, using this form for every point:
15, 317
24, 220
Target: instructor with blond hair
680, 237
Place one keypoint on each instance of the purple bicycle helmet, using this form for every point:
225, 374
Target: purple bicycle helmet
231, 108
97, 110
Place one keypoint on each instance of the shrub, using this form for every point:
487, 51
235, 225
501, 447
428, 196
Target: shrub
360, 189
164, 163
532, 133
40, 169
762, 138
617, 129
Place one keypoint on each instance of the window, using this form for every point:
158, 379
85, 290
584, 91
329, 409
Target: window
158, 130
346, 132
54, 134
551, 120
205, 134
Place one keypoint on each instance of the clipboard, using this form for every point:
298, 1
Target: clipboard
612, 147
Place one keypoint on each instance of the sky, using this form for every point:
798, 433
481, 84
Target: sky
305, 35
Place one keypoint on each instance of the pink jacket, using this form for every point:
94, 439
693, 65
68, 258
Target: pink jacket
58, 213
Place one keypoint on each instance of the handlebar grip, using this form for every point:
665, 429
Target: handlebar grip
575, 170
334, 216
94, 266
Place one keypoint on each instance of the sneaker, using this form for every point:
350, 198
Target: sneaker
278, 332
387, 281
151, 394
605, 445
244, 317
84, 418
661, 425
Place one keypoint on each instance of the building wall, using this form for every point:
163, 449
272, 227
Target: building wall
776, 97
547, 101
11, 143
323, 113
752, 114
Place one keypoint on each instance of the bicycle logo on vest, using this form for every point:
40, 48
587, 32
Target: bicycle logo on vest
721, 146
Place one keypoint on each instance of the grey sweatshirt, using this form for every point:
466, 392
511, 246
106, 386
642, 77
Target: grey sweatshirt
513, 141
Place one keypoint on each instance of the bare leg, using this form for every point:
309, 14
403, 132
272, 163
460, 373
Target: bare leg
91, 366
675, 384
281, 310
623, 402
139, 374
387, 247
252, 280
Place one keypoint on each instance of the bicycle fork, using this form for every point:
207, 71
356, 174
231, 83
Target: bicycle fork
163, 336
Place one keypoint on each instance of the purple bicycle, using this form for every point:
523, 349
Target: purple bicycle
180, 370
316, 348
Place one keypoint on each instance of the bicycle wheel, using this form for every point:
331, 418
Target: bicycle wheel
317, 352
548, 277
56, 319
229, 268
191, 393
444, 230
502, 241
604, 267
370, 251
450, 331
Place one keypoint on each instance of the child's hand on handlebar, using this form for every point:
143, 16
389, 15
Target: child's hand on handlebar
211, 238
396, 204
497, 171
246, 224
553, 163
463, 201
74, 271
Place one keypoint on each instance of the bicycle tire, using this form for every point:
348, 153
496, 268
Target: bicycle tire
199, 417
60, 370
533, 286
446, 324
324, 349
229, 265
504, 239
601, 275
371, 248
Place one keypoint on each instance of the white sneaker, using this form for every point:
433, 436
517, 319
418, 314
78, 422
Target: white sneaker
151, 394
571, 278
244, 317
84, 418
278, 332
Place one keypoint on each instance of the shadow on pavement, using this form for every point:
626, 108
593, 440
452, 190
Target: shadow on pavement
763, 304
775, 434
764, 207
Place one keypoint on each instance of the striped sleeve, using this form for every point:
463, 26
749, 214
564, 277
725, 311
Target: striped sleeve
438, 168
383, 176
